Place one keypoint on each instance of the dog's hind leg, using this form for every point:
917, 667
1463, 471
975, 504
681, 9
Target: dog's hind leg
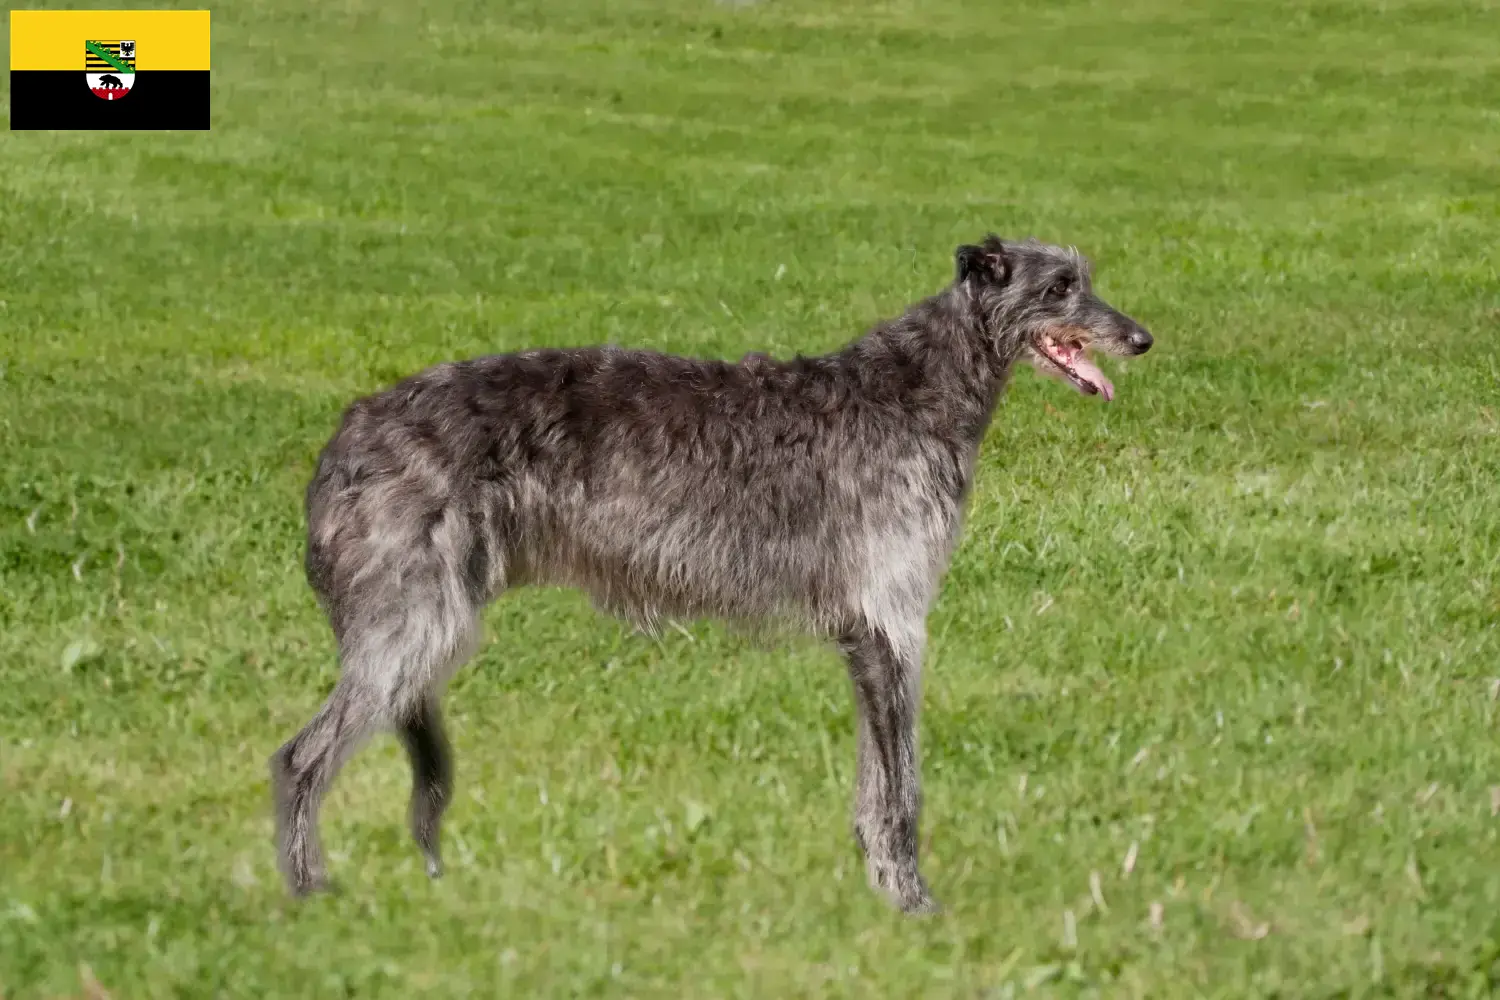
402, 632
431, 777
885, 670
302, 770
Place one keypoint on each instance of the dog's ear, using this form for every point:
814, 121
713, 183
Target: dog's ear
967, 261
989, 263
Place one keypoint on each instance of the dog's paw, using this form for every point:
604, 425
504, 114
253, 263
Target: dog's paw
313, 885
903, 886
920, 905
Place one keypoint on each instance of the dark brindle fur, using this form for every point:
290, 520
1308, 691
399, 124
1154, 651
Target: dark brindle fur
827, 492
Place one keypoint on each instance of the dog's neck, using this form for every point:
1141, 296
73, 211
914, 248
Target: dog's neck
945, 360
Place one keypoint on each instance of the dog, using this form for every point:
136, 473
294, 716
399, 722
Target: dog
825, 492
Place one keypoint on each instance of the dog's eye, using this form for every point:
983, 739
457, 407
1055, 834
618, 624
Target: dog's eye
1060, 288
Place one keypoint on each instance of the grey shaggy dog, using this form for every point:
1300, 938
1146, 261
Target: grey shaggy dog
824, 492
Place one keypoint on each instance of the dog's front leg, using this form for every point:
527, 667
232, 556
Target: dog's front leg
888, 796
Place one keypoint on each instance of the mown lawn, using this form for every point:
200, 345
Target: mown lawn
1239, 626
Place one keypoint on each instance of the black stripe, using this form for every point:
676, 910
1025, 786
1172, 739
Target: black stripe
61, 99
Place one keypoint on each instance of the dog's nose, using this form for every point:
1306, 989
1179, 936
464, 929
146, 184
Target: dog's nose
1140, 340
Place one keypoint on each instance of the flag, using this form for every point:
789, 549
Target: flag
109, 69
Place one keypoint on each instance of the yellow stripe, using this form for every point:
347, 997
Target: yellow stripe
53, 39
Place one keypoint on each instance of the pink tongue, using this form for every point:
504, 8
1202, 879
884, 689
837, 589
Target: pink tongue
1090, 373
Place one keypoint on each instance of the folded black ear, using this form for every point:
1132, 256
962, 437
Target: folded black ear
967, 261
988, 263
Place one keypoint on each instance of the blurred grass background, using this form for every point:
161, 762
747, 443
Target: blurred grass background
1238, 626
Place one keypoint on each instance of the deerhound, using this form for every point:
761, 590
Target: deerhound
826, 492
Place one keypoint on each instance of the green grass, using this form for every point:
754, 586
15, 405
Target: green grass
1244, 619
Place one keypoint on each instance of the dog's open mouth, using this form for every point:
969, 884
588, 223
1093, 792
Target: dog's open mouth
1072, 361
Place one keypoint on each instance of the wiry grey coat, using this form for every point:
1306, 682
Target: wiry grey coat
827, 492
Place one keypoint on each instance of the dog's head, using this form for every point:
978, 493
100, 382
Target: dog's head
1044, 295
